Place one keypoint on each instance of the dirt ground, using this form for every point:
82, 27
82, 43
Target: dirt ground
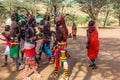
108, 60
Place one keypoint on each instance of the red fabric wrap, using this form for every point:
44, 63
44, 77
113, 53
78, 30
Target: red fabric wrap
93, 46
64, 27
57, 59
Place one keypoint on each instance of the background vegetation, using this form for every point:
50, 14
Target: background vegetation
104, 12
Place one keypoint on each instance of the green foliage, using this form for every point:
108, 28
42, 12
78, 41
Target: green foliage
100, 20
111, 22
11, 5
1, 7
3, 11
116, 7
83, 20
56, 1
69, 5
91, 7
40, 15
70, 18
77, 19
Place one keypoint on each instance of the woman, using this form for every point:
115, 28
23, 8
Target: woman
93, 43
74, 31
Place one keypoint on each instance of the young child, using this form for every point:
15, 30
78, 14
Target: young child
30, 53
6, 34
14, 53
45, 45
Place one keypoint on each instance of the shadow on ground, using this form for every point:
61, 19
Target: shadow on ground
108, 62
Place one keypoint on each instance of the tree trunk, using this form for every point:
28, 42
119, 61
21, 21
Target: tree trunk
95, 18
55, 13
106, 17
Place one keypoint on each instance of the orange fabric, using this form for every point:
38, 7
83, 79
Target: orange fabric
93, 45
74, 32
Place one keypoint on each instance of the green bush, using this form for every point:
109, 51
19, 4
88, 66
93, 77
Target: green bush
100, 21
77, 19
82, 20
110, 22
40, 15
69, 5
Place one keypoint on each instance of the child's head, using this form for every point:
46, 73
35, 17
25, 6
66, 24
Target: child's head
13, 16
21, 24
31, 39
42, 22
7, 27
73, 23
28, 35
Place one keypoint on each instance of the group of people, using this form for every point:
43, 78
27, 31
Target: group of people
21, 41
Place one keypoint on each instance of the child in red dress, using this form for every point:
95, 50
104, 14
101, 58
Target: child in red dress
30, 61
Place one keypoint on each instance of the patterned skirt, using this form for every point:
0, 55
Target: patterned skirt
30, 61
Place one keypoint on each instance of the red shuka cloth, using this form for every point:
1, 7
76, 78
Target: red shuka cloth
93, 46
30, 52
64, 29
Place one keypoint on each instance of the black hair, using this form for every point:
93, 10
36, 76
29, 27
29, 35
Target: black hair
74, 23
42, 22
7, 27
91, 23
21, 24
46, 17
33, 24
13, 18
46, 28
28, 34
